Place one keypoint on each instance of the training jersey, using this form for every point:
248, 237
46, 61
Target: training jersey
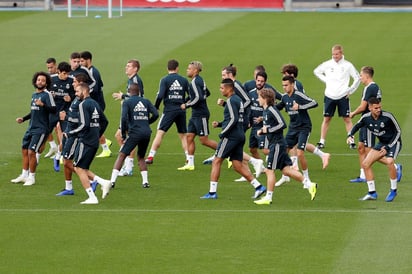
298, 86
173, 89
97, 93
90, 80
232, 127
72, 115
92, 123
275, 124
336, 76
299, 119
251, 85
135, 79
371, 90
60, 88
385, 128
137, 115
198, 95
39, 115
256, 110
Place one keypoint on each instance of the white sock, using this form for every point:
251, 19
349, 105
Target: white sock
90, 193
69, 185
152, 153
25, 173
97, 179
144, 176
38, 157
371, 185
394, 184
306, 182
362, 173
213, 187
294, 160
255, 183
322, 141
306, 174
269, 195
191, 160
115, 173
318, 152
53, 144
252, 160
129, 163
57, 155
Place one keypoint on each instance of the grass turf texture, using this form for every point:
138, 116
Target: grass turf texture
167, 228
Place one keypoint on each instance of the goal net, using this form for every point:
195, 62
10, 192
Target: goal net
95, 8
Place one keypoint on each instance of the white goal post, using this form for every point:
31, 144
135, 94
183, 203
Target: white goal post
87, 5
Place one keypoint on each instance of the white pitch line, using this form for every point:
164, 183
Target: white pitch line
16, 210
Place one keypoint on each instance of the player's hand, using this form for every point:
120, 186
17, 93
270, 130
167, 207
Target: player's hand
215, 124
220, 102
117, 95
350, 140
38, 102
67, 98
19, 120
183, 106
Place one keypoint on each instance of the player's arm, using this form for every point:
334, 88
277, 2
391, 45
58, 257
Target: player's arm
361, 108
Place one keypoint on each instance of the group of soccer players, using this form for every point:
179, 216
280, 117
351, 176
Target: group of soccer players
71, 101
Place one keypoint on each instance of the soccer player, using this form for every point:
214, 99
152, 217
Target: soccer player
384, 126
336, 74
173, 90
92, 124
63, 94
297, 105
97, 95
42, 104
232, 139
251, 84
292, 70
278, 158
51, 65
137, 115
199, 121
230, 72
256, 121
131, 69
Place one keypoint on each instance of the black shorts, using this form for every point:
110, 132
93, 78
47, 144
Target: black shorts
168, 118
297, 137
330, 106
69, 147
34, 141
256, 141
142, 143
199, 126
366, 137
231, 148
84, 155
278, 158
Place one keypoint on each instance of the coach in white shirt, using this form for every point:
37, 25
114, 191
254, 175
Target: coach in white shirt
336, 73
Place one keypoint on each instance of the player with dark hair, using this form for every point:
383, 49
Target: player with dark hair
278, 158
42, 104
137, 115
297, 105
173, 91
384, 126
92, 124
232, 139
131, 69
96, 93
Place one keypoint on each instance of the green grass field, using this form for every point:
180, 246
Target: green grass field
167, 228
